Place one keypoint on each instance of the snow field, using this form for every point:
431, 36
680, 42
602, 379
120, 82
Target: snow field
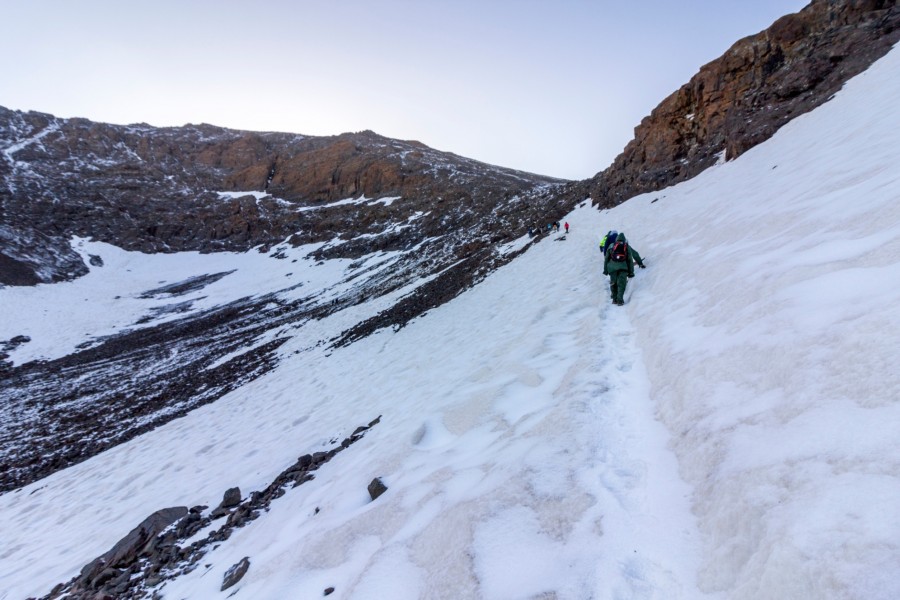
514, 464
769, 324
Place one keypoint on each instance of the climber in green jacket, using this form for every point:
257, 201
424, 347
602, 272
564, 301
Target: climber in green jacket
619, 263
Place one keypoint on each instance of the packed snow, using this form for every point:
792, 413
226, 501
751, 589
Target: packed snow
730, 433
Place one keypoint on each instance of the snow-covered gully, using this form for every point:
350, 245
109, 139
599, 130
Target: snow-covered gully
731, 432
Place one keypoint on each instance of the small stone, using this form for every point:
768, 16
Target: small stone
377, 488
328, 591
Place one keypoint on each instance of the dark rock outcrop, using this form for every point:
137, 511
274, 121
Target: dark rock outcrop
742, 98
126, 550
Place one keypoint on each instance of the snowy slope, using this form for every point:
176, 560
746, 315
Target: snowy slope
730, 433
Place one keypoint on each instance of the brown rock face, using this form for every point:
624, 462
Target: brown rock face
742, 98
156, 190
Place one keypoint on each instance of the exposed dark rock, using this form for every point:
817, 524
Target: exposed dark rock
235, 573
187, 286
125, 552
328, 591
376, 488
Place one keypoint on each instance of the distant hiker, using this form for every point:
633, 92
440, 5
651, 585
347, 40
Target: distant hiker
607, 240
567, 227
619, 263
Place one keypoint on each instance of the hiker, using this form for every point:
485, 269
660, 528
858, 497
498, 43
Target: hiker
619, 263
607, 241
567, 227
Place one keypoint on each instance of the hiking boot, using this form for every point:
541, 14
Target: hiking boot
620, 303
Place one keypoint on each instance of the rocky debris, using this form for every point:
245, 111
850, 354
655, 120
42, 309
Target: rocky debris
155, 551
376, 488
328, 591
95, 260
742, 98
64, 411
235, 573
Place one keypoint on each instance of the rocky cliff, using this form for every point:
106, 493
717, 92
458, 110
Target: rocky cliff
207, 188
742, 98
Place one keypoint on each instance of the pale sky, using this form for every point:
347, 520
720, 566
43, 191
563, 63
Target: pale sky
554, 87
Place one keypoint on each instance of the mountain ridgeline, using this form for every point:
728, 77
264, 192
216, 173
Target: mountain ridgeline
743, 97
447, 221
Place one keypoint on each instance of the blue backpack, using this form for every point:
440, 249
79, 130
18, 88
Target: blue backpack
608, 240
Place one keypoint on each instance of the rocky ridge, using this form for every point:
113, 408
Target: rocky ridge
742, 98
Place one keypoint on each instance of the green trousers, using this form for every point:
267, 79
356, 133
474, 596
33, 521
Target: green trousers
618, 280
